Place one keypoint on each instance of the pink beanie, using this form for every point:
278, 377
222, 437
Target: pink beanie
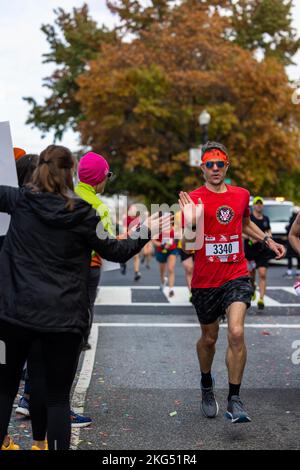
92, 169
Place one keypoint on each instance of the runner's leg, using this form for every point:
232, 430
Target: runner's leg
162, 270
253, 277
236, 360
171, 271
188, 266
236, 353
262, 273
206, 352
206, 346
136, 263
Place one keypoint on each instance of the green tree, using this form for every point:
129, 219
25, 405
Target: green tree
135, 17
136, 98
74, 40
142, 99
265, 25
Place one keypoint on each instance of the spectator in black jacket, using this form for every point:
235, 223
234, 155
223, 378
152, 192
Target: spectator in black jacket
49, 301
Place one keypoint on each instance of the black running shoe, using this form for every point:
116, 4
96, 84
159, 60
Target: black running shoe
236, 411
137, 276
209, 405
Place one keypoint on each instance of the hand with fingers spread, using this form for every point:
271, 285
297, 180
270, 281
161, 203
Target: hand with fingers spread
158, 224
191, 211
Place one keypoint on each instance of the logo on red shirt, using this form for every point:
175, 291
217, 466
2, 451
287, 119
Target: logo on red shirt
225, 214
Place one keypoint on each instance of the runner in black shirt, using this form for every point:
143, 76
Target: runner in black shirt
256, 253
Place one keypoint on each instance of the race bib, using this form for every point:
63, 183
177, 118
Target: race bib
222, 248
167, 241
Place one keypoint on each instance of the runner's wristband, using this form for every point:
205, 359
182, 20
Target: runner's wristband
267, 237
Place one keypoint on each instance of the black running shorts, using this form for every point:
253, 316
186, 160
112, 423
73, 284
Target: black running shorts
261, 262
184, 256
211, 303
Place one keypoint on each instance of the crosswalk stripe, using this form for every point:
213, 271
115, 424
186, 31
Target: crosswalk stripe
122, 295
193, 325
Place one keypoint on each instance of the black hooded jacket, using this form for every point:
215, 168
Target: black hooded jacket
45, 259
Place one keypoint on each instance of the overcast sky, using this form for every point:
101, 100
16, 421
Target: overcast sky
21, 70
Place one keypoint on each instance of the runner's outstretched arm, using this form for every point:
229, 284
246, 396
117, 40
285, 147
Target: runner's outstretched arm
251, 230
294, 235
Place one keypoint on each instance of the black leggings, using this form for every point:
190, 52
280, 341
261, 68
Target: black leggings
53, 359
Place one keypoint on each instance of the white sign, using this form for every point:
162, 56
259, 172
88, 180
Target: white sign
8, 172
195, 156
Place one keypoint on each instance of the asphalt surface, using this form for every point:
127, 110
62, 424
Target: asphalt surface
144, 388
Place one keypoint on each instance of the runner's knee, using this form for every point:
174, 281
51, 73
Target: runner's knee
209, 340
236, 336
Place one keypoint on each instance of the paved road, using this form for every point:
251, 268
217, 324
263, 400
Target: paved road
140, 383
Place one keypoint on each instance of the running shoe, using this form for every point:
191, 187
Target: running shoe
163, 285
260, 304
137, 276
236, 411
23, 407
11, 445
209, 405
171, 293
86, 346
78, 421
38, 448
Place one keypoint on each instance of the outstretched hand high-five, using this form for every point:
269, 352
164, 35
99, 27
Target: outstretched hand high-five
159, 223
192, 212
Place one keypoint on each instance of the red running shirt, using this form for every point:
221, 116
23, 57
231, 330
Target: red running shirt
167, 241
222, 258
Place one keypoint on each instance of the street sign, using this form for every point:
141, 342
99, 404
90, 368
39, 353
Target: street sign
195, 156
8, 173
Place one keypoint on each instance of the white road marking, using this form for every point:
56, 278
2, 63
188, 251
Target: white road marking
182, 296
122, 295
268, 302
85, 375
192, 325
290, 290
84, 381
118, 295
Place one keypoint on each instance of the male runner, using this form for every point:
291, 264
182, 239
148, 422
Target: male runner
256, 253
221, 283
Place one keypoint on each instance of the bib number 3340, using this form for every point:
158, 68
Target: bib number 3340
219, 249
